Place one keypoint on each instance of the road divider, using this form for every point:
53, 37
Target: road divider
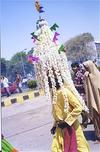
20, 98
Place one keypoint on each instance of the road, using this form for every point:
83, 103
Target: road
27, 126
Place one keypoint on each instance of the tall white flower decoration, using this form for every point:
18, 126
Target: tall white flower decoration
52, 61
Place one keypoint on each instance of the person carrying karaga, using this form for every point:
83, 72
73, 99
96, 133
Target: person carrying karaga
54, 77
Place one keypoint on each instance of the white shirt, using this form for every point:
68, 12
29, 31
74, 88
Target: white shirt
5, 82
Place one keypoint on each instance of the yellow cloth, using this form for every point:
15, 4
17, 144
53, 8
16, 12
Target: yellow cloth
70, 114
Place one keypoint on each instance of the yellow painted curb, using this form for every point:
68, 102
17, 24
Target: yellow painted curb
8, 103
42, 92
20, 98
31, 95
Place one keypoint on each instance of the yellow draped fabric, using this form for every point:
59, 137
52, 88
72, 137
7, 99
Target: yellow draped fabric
69, 114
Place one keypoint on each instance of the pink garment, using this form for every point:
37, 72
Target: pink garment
70, 143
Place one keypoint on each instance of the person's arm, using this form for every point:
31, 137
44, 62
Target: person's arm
53, 129
77, 108
21, 79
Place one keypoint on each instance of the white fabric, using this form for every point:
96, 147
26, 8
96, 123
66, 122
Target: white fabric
20, 85
5, 82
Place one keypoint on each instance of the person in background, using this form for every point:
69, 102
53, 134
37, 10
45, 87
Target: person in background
78, 79
19, 82
4, 81
92, 89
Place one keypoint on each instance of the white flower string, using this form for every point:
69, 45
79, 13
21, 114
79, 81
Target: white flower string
53, 63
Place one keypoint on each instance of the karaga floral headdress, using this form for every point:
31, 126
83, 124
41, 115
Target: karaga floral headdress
52, 58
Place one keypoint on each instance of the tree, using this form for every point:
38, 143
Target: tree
18, 63
30, 52
81, 48
3, 66
18, 57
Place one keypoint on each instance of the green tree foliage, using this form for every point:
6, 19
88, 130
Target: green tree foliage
32, 84
17, 57
3, 67
80, 48
18, 63
30, 52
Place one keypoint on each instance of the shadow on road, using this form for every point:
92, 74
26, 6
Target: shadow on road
90, 135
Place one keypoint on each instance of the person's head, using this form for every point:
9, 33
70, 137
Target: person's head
75, 67
90, 66
2, 77
17, 73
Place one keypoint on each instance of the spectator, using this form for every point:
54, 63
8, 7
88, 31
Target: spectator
4, 81
78, 79
92, 89
19, 82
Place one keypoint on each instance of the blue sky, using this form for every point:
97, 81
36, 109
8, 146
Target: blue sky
18, 18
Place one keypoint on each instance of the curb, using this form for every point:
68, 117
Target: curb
20, 98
